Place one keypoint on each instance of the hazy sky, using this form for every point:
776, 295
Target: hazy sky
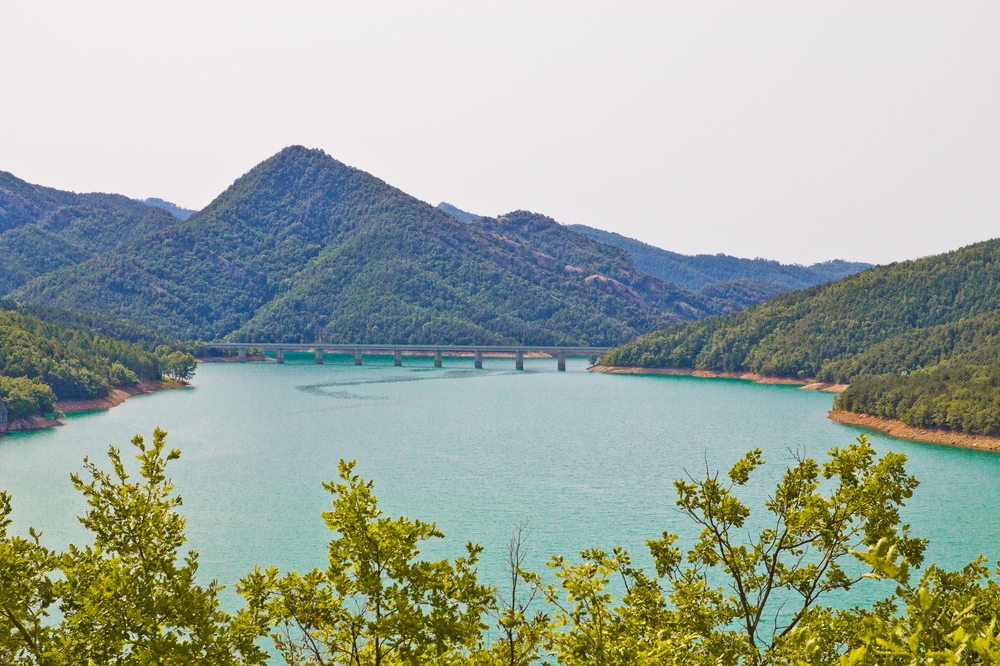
799, 131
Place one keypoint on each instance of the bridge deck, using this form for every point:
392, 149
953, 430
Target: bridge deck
389, 349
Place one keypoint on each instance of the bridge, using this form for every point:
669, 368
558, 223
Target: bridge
397, 351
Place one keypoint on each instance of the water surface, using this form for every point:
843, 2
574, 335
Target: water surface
585, 459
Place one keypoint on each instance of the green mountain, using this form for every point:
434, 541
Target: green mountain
918, 341
698, 271
304, 248
892, 318
43, 229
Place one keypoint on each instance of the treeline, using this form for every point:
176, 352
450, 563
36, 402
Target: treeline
735, 598
42, 361
958, 397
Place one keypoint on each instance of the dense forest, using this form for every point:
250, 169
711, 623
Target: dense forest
701, 270
48, 355
736, 597
42, 229
304, 248
938, 315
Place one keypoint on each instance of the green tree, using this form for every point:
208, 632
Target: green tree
178, 365
126, 599
26, 594
376, 603
774, 583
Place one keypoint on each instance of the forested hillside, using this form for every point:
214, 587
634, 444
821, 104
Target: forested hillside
935, 320
304, 248
43, 229
697, 271
42, 361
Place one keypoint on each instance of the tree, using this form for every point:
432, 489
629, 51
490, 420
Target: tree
773, 583
178, 365
26, 594
126, 599
376, 603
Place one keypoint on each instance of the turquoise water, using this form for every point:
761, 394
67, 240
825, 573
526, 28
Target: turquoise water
585, 459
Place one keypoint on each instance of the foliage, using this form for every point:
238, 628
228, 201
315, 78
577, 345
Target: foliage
731, 599
959, 397
146, 337
702, 270
376, 603
24, 397
775, 582
48, 354
176, 364
127, 599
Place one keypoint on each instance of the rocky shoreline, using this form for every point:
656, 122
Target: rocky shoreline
113, 399
805, 384
900, 430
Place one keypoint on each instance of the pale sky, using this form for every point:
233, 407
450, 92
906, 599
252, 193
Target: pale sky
797, 131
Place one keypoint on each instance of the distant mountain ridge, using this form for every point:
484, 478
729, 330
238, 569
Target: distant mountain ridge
172, 208
458, 213
697, 271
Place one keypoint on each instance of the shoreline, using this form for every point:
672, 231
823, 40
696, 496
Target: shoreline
900, 430
117, 396
804, 384
113, 399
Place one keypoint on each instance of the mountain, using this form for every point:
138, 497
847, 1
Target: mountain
919, 341
458, 213
172, 208
697, 271
888, 319
305, 248
43, 229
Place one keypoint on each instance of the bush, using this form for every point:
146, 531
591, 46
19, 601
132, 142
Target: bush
25, 397
121, 376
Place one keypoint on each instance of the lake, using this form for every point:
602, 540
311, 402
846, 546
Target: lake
584, 459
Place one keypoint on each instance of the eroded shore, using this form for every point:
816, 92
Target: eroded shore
113, 399
900, 430
806, 384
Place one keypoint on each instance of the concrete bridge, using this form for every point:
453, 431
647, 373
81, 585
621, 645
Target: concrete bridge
397, 351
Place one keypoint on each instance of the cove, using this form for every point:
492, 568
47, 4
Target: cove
584, 459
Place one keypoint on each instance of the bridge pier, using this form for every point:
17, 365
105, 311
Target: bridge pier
243, 355
281, 356
562, 361
357, 357
519, 360
319, 357
479, 359
437, 358
397, 358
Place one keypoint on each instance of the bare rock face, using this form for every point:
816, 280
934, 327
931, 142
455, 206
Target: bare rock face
3, 417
